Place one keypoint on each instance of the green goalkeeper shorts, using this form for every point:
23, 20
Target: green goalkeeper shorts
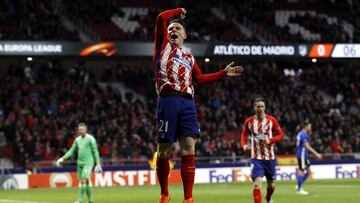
84, 171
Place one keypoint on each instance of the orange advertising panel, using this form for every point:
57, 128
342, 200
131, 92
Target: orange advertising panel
104, 179
321, 50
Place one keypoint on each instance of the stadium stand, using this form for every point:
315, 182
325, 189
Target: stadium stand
111, 22
32, 20
305, 21
42, 101
43, 105
274, 22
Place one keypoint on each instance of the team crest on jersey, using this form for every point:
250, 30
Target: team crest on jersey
183, 61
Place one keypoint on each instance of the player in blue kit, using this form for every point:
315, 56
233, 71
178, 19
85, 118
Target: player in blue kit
303, 147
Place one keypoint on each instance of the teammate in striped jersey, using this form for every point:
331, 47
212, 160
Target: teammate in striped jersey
176, 114
303, 147
262, 130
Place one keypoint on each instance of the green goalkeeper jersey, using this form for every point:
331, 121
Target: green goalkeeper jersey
87, 150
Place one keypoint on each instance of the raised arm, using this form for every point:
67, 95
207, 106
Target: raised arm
161, 28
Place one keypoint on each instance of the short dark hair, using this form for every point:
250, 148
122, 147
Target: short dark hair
259, 99
177, 19
305, 123
82, 125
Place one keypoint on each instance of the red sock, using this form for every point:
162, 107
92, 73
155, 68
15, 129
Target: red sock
257, 195
188, 174
269, 192
163, 170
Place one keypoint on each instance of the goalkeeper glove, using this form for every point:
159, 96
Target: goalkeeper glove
98, 169
59, 161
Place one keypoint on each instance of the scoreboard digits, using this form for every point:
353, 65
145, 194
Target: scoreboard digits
346, 51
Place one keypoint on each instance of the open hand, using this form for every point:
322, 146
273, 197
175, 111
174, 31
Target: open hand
231, 70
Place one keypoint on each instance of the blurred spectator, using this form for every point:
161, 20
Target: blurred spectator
40, 114
32, 20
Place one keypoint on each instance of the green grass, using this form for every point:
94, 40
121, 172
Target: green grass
324, 191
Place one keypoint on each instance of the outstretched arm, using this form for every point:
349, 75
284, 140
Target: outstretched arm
312, 150
211, 77
68, 154
71, 150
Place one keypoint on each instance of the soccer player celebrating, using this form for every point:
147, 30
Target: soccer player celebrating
176, 113
264, 131
303, 147
87, 150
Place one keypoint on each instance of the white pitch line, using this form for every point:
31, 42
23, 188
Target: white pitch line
19, 201
338, 186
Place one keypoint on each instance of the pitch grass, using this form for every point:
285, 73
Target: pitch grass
321, 191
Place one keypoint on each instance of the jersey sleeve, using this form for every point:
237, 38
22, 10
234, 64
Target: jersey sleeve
245, 134
71, 151
95, 150
161, 30
304, 138
206, 78
279, 135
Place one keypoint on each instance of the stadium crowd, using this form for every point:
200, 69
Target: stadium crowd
41, 104
260, 16
40, 107
224, 20
98, 16
32, 20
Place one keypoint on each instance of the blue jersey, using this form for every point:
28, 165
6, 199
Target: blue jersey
302, 138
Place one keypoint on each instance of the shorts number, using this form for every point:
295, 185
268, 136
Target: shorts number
163, 126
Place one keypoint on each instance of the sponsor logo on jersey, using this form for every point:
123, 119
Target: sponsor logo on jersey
183, 61
260, 136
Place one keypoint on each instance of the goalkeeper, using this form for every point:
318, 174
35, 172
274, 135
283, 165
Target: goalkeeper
86, 147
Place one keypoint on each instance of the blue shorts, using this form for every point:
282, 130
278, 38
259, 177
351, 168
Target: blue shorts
261, 168
176, 116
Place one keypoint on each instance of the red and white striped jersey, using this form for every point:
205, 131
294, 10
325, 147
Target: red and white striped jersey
258, 130
175, 70
174, 67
